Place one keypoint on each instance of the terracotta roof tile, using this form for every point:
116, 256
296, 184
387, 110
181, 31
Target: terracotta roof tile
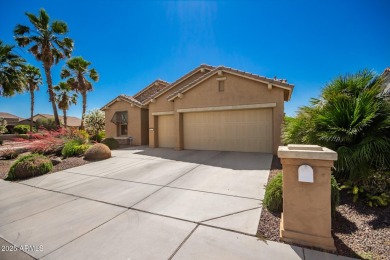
255, 76
8, 115
131, 99
202, 66
71, 120
152, 89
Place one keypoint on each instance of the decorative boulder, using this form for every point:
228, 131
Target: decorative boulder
55, 160
29, 166
98, 152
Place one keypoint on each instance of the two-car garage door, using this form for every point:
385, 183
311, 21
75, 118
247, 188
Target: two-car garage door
233, 130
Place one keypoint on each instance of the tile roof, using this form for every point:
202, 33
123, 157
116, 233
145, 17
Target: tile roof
131, 99
282, 83
124, 97
71, 120
5, 115
202, 66
154, 88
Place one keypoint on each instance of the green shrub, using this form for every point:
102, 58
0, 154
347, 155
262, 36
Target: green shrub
335, 195
273, 197
74, 148
111, 143
22, 129
94, 121
46, 123
351, 117
375, 191
29, 166
99, 136
82, 136
3, 126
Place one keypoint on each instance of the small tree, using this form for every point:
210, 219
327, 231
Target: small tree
3, 126
46, 123
94, 121
65, 98
80, 77
33, 80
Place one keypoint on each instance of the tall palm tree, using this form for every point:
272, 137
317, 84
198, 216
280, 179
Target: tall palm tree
65, 98
80, 77
11, 78
33, 80
48, 44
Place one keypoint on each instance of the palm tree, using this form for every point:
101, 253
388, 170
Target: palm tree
65, 98
33, 80
11, 78
48, 44
351, 117
80, 77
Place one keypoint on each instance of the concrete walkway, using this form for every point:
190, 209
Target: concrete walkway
144, 204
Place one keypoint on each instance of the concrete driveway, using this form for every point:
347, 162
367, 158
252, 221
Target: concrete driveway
143, 204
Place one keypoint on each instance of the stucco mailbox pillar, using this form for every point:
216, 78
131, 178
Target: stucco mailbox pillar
306, 217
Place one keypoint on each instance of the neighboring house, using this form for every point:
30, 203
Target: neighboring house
71, 120
209, 108
11, 119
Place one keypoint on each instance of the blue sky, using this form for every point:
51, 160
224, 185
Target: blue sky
132, 43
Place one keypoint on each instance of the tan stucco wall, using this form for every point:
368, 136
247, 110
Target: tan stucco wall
306, 217
237, 91
134, 121
163, 105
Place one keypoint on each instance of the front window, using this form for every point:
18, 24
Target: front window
120, 119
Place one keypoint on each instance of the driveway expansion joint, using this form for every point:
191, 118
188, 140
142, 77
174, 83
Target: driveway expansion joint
61, 204
182, 243
230, 214
85, 233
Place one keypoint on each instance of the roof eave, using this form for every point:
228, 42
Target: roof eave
284, 86
197, 69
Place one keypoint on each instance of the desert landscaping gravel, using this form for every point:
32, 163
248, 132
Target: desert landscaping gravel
359, 231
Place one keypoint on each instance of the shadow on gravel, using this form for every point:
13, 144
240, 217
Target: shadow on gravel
343, 249
343, 225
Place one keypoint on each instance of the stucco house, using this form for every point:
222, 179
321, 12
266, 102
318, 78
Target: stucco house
72, 121
209, 108
11, 119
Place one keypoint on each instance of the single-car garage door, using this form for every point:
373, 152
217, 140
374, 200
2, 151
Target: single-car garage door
233, 130
166, 137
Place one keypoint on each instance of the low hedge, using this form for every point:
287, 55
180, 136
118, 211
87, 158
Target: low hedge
273, 197
21, 129
111, 143
29, 166
74, 148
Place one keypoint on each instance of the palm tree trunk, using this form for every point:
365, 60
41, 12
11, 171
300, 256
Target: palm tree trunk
65, 119
84, 95
32, 107
51, 93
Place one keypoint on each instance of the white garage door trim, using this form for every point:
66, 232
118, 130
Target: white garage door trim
165, 132
249, 130
223, 108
